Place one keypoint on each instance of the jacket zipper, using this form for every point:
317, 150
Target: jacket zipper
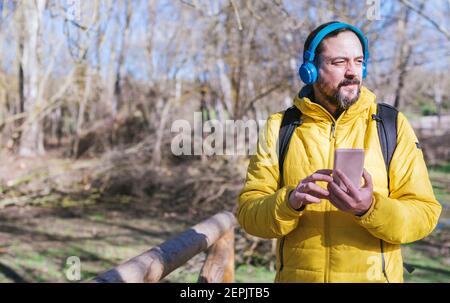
281, 253
333, 127
327, 210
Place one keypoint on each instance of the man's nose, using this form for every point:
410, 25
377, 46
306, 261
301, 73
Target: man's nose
352, 70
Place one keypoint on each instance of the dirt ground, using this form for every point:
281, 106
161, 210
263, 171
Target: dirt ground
36, 241
52, 208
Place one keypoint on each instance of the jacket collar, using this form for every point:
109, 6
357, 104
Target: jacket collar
314, 110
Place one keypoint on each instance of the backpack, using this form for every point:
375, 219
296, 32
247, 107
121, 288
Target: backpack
386, 118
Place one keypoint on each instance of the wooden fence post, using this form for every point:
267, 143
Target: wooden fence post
158, 262
219, 264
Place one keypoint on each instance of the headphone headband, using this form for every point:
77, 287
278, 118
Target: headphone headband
308, 71
309, 54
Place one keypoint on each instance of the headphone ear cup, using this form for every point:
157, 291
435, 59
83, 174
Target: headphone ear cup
308, 73
364, 70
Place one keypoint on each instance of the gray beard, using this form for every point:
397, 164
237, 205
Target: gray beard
339, 99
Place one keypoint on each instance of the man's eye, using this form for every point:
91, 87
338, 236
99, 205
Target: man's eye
339, 62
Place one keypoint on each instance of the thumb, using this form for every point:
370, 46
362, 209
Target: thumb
367, 179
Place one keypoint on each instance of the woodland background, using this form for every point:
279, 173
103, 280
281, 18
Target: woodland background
89, 91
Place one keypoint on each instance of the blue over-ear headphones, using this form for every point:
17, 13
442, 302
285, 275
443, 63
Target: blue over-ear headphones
308, 71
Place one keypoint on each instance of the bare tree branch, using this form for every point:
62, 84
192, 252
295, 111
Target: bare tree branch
428, 18
236, 12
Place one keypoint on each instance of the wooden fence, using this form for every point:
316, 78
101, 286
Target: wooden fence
216, 235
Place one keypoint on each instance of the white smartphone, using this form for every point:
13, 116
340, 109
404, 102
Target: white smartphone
350, 161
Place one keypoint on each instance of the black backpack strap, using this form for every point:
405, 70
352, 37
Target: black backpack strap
291, 119
386, 118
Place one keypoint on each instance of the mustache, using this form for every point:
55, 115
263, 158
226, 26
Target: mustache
349, 82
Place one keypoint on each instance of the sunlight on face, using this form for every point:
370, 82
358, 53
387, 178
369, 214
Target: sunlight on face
340, 69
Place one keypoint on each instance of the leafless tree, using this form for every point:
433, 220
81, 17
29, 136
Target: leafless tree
156, 60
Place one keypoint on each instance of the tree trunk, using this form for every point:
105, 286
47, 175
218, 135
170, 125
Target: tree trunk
406, 48
32, 138
156, 157
82, 110
120, 64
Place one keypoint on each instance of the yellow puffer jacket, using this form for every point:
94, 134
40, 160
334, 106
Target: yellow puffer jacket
322, 243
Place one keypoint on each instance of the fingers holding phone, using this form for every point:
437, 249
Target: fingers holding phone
345, 192
308, 191
354, 200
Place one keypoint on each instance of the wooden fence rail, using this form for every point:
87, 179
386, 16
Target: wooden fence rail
215, 234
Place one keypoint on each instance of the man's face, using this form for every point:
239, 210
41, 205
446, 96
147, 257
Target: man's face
340, 69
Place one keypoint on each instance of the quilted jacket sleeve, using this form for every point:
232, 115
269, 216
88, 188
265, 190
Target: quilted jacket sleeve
411, 211
263, 209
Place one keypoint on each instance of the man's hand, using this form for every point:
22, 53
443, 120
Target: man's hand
355, 201
307, 191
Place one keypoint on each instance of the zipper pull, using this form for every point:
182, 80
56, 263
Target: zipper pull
333, 126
